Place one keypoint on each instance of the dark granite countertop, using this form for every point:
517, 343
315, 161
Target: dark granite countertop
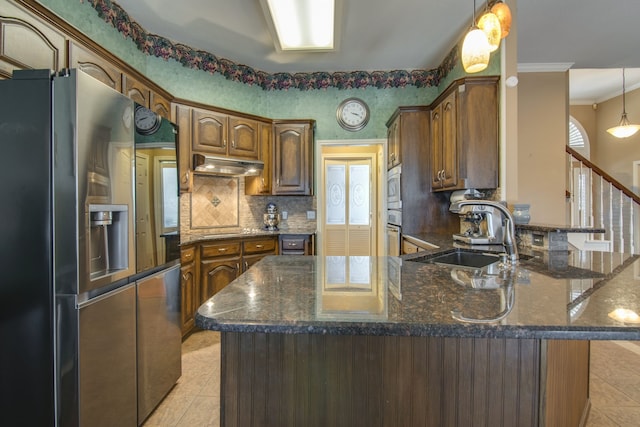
559, 228
195, 238
567, 296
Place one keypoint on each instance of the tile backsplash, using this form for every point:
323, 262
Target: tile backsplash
214, 202
219, 205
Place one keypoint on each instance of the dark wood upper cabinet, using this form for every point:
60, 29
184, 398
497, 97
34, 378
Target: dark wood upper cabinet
221, 134
182, 117
209, 131
261, 184
464, 135
293, 154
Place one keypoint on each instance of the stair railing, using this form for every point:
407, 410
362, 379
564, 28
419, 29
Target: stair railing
599, 200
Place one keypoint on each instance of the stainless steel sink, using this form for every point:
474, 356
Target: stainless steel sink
460, 258
466, 259
463, 258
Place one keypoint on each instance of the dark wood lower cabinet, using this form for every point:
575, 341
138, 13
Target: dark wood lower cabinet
216, 274
326, 380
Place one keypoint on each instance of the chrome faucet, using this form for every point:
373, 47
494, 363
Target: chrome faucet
509, 239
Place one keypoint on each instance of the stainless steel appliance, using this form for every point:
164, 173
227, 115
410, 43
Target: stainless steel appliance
271, 218
394, 211
157, 278
67, 252
480, 225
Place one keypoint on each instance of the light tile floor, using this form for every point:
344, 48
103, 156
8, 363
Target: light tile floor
615, 384
194, 401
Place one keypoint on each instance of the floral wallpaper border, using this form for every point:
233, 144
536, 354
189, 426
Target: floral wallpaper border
152, 44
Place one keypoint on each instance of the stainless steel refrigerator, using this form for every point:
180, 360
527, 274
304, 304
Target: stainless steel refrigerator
68, 291
157, 277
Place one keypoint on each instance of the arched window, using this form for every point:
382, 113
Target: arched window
578, 138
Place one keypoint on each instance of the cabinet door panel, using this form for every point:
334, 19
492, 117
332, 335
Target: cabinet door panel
189, 297
261, 184
160, 105
244, 138
216, 274
183, 120
136, 90
292, 159
209, 132
449, 142
95, 66
393, 148
27, 43
436, 146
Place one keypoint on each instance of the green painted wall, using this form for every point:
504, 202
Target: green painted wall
215, 90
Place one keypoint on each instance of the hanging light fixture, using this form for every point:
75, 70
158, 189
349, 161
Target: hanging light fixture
490, 24
475, 48
502, 11
624, 128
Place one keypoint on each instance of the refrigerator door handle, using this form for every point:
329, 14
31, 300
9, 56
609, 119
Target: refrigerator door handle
106, 295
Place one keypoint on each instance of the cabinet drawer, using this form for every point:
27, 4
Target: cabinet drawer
257, 246
187, 254
293, 244
219, 249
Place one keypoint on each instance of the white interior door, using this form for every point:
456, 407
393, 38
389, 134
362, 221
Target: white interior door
349, 220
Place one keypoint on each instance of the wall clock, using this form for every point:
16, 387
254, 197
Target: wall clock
352, 114
147, 122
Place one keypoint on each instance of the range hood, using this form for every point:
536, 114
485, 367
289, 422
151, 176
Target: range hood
214, 165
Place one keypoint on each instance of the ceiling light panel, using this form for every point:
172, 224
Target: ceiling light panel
303, 24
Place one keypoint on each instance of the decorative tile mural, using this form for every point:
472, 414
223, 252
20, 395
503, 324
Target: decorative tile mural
214, 202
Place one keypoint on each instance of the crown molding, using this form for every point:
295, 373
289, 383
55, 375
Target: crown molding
544, 67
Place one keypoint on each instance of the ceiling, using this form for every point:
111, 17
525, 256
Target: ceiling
594, 37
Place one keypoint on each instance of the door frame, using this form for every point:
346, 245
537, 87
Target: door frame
381, 190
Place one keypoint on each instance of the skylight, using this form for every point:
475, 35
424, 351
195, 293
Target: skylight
302, 24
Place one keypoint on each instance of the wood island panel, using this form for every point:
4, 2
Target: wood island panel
354, 380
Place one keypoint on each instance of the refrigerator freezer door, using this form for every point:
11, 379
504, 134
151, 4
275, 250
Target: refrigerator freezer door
159, 338
92, 175
107, 356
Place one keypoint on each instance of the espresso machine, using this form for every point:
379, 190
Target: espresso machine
480, 225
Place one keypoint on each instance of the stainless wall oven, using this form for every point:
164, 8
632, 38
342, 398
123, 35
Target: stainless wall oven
394, 211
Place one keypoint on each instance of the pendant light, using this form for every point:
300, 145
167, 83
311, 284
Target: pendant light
475, 48
490, 24
624, 128
502, 11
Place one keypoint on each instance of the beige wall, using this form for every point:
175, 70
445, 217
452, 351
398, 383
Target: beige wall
543, 115
616, 156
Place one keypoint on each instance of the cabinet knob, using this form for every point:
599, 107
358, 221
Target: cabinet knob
185, 277
233, 143
246, 265
259, 246
224, 143
222, 249
185, 178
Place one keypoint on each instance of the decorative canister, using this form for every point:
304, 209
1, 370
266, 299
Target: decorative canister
521, 213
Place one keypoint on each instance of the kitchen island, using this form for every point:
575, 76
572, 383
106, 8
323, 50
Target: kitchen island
383, 341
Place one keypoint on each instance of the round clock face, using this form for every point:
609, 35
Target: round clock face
353, 114
147, 122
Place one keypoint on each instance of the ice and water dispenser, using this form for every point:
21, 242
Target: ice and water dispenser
109, 236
